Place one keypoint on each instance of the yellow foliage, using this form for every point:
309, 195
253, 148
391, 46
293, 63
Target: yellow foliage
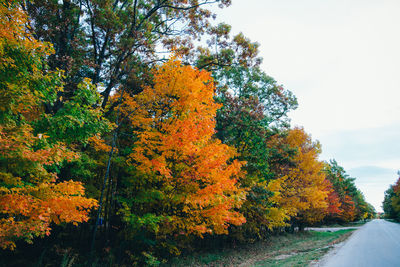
302, 189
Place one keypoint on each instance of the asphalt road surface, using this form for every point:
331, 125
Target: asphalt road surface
376, 244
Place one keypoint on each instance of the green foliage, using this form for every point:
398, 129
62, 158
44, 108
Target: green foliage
253, 83
387, 203
25, 84
254, 109
79, 119
391, 202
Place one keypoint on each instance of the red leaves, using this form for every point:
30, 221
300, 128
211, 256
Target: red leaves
333, 209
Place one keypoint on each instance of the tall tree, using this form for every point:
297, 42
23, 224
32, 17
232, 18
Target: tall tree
254, 108
182, 181
31, 197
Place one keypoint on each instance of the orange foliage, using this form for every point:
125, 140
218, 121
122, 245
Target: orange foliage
29, 210
348, 209
99, 144
30, 198
13, 29
174, 124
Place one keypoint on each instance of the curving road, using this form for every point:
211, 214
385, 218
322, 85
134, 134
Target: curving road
376, 244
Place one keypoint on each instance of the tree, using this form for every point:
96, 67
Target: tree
391, 202
31, 197
182, 181
254, 106
387, 203
334, 209
303, 191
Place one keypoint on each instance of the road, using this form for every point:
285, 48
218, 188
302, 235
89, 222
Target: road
376, 244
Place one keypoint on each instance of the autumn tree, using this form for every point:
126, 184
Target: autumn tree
334, 205
182, 181
303, 191
31, 196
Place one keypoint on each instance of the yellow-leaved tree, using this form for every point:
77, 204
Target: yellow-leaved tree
303, 190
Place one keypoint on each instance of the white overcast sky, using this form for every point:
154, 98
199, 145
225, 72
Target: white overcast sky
341, 58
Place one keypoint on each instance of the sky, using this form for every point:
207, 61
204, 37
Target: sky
341, 58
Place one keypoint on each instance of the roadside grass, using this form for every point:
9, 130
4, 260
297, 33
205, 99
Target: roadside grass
299, 249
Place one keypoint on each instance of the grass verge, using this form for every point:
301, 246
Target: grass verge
298, 249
